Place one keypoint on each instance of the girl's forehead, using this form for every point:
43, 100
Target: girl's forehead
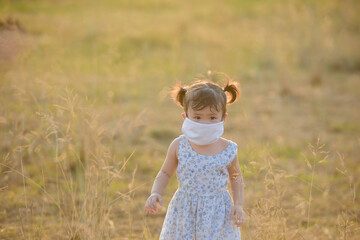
206, 110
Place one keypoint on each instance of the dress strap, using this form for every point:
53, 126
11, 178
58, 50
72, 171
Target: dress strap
182, 144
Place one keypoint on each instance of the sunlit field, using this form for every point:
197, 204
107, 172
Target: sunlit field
86, 117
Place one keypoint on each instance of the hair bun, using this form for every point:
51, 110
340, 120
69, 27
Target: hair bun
227, 88
178, 94
233, 89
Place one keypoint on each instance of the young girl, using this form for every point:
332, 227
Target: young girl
201, 207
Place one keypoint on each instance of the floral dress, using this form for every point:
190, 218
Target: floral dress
200, 208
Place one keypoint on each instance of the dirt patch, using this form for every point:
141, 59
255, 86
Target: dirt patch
11, 24
11, 34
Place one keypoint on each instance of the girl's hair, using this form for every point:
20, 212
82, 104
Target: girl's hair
205, 93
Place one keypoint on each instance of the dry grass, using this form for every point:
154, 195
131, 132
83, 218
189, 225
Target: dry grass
85, 119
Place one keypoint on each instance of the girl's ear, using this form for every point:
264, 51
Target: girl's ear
183, 115
225, 117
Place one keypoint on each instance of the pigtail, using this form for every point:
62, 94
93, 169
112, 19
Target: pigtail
233, 89
178, 94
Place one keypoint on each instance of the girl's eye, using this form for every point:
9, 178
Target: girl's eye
213, 118
197, 118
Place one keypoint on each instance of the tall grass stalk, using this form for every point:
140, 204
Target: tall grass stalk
23, 178
317, 153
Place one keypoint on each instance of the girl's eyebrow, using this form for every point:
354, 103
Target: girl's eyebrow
208, 114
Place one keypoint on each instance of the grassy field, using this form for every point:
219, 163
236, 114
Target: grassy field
86, 118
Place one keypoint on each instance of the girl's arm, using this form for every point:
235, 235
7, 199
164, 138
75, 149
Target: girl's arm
168, 168
236, 182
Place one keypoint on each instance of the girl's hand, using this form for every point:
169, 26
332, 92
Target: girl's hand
237, 215
150, 205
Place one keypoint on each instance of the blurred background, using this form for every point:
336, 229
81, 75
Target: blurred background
86, 118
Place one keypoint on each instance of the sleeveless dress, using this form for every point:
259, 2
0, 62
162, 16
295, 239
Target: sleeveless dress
200, 208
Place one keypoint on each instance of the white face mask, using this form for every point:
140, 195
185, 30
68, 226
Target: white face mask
202, 134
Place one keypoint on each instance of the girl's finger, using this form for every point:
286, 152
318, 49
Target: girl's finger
149, 208
238, 223
236, 213
152, 202
160, 200
232, 214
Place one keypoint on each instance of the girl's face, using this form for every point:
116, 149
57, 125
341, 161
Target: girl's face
205, 116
